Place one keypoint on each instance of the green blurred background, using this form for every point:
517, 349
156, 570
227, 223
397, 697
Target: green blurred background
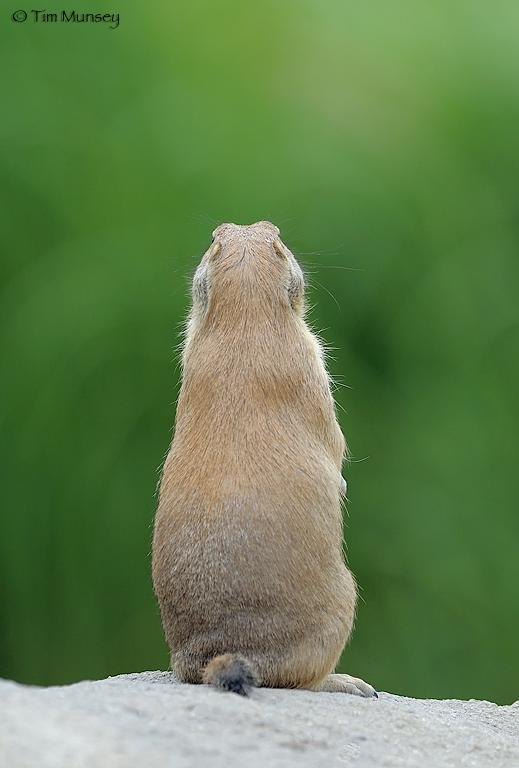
383, 140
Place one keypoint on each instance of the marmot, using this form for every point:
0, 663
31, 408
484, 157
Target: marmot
247, 550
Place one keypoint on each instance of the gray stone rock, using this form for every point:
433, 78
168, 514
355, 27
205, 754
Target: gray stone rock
149, 720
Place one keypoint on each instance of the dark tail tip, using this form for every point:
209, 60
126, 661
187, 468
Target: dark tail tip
230, 672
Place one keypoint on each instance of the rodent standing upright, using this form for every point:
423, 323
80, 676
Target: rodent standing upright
247, 550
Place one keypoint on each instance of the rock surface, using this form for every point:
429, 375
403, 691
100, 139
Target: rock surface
149, 720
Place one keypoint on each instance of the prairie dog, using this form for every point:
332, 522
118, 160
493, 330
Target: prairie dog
247, 557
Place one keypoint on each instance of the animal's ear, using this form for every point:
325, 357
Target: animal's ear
296, 290
213, 250
280, 248
199, 289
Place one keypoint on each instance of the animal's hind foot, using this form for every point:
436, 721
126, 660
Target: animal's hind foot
346, 684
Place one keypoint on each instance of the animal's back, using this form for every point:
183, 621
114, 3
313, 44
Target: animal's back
247, 555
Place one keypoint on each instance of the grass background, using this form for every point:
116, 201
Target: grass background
382, 139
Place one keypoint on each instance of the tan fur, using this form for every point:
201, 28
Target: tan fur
247, 555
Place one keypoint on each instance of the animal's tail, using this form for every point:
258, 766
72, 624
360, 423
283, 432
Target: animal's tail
230, 672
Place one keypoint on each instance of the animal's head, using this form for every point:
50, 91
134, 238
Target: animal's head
247, 265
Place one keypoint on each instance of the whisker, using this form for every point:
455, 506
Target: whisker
334, 266
328, 292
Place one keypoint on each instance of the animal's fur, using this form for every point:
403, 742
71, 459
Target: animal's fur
247, 555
